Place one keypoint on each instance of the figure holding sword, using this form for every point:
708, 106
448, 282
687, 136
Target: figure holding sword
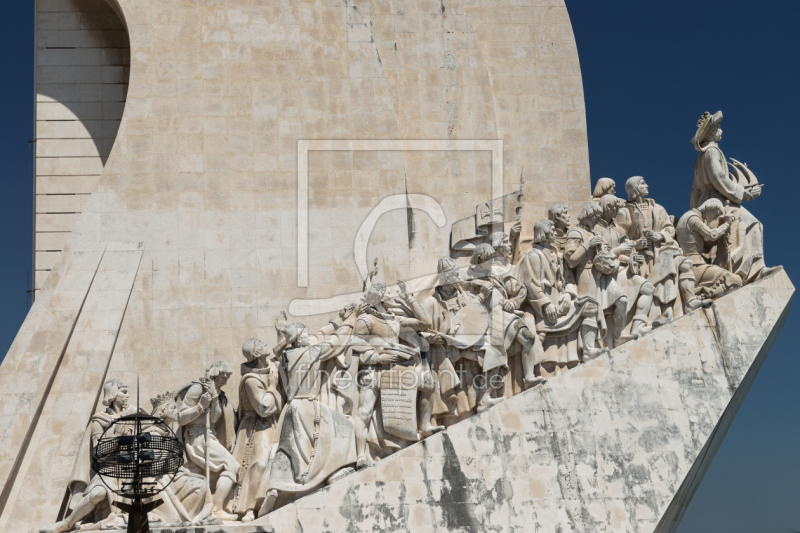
728, 241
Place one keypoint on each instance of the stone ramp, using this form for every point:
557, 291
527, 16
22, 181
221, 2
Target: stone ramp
618, 444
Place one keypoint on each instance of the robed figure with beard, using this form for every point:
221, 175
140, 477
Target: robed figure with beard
314, 441
383, 369
199, 396
493, 277
458, 321
638, 291
187, 496
595, 270
652, 233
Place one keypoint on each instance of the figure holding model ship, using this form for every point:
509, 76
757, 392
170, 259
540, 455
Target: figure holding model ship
712, 180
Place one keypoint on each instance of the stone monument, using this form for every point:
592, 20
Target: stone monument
239, 165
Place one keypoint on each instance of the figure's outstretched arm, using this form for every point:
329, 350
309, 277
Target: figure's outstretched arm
327, 330
420, 320
335, 323
337, 342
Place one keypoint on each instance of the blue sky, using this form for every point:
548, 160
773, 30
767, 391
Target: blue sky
649, 71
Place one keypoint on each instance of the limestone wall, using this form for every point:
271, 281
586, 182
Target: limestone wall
203, 180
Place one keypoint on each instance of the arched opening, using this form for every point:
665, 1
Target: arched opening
82, 71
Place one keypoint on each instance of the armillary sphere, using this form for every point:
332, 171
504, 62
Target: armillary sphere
137, 457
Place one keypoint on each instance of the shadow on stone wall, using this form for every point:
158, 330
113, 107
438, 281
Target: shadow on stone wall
82, 72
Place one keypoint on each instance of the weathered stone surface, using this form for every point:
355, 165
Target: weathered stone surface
55, 370
204, 172
258, 139
618, 444
242, 528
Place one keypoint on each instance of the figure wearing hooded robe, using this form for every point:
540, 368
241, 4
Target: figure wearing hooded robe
91, 500
650, 228
553, 308
315, 442
260, 404
458, 321
712, 180
195, 398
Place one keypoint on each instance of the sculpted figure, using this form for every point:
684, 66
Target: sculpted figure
383, 416
493, 277
603, 187
650, 228
559, 215
187, 500
260, 404
554, 310
595, 272
314, 442
712, 180
90, 497
458, 322
638, 291
195, 398
696, 237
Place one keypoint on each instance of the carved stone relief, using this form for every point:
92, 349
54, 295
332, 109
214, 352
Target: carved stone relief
391, 370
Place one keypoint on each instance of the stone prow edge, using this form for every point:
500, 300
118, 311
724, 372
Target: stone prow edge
241, 528
672, 517
674, 513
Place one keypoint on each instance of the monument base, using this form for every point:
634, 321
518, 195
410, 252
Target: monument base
617, 444
238, 528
